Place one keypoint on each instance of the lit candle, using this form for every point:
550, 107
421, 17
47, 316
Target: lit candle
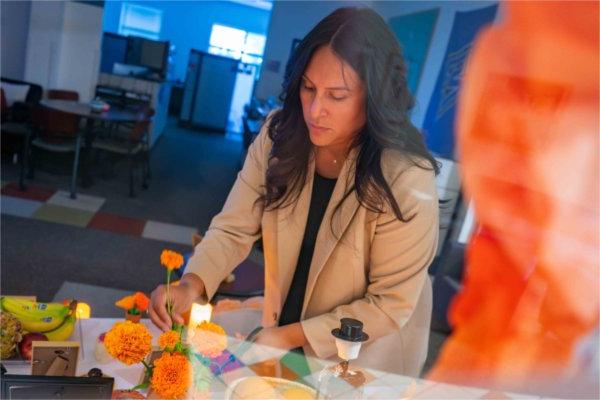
199, 314
83, 311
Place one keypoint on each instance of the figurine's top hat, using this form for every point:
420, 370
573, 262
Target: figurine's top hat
351, 330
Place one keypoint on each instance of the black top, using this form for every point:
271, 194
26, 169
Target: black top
321, 193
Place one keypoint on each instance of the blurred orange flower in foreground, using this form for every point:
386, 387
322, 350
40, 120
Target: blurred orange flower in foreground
171, 259
208, 339
128, 342
171, 376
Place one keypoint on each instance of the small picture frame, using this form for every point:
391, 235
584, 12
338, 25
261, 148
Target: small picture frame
54, 358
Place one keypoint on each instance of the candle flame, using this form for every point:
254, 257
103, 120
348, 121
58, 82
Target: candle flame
200, 313
83, 311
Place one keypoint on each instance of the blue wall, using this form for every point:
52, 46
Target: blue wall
187, 24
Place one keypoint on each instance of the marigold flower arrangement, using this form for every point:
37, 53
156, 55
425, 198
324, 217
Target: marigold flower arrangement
180, 368
128, 342
171, 376
134, 304
168, 340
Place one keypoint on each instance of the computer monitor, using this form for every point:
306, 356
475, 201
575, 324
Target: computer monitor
114, 51
150, 54
134, 56
55, 387
153, 54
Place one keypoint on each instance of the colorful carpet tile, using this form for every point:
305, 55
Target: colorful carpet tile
117, 224
57, 206
32, 192
63, 215
19, 207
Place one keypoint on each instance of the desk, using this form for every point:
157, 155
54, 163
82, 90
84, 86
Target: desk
83, 110
266, 361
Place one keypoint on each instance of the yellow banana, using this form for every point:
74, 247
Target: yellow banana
30, 308
39, 324
64, 331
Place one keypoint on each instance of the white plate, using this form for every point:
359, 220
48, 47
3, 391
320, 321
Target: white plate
279, 385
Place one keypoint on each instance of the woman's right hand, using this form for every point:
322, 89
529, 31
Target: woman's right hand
181, 297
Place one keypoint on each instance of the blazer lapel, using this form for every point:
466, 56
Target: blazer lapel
328, 238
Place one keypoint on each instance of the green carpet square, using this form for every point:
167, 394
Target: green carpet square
63, 215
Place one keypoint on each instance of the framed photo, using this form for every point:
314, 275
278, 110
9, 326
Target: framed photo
48, 387
156, 353
54, 358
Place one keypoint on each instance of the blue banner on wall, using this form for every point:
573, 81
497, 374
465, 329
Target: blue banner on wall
439, 120
414, 31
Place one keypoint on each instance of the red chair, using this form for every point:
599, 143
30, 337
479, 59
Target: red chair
54, 132
3, 104
62, 123
133, 143
58, 94
15, 137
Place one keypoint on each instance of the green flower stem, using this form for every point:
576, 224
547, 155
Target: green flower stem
179, 329
169, 305
148, 368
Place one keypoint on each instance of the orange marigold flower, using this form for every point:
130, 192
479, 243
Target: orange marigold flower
171, 259
168, 340
141, 301
126, 303
128, 342
171, 376
208, 339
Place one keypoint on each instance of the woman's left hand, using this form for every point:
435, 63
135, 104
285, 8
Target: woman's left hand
284, 337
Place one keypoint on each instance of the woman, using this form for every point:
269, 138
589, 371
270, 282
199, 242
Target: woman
342, 190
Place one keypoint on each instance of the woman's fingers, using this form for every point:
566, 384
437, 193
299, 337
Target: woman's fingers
158, 311
181, 306
155, 319
181, 301
178, 319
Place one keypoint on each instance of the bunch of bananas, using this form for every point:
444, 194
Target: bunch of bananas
55, 320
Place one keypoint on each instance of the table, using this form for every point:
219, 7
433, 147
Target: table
83, 110
265, 361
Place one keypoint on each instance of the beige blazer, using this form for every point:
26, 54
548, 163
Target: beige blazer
372, 267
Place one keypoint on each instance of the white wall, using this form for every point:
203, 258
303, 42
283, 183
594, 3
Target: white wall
80, 49
14, 29
63, 46
43, 43
439, 41
291, 20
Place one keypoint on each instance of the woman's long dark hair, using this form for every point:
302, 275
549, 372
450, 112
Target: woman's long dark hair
361, 38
